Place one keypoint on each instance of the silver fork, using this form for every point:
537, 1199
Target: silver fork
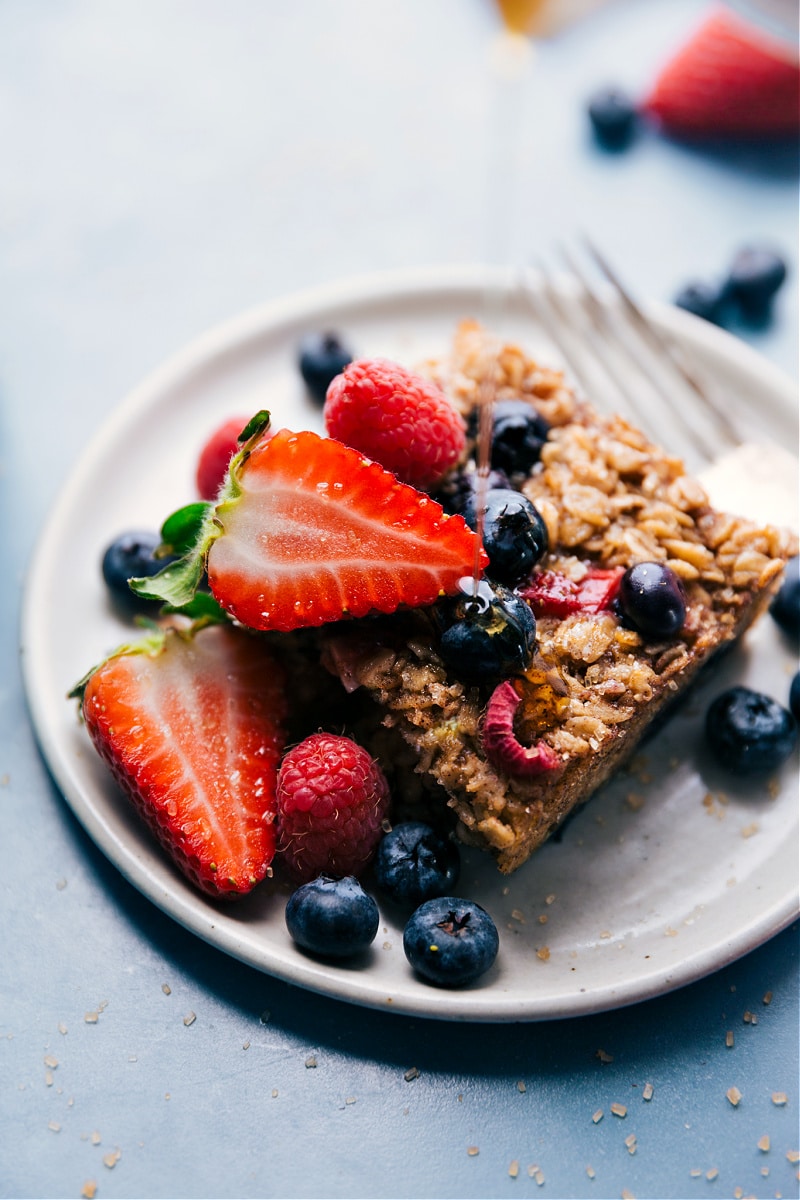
622, 361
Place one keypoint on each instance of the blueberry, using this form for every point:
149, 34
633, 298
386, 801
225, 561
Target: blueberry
518, 434
458, 490
613, 116
749, 732
334, 918
514, 534
131, 554
415, 863
785, 608
450, 941
652, 598
322, 356
486, 635
706, 300
756, 275
794, 696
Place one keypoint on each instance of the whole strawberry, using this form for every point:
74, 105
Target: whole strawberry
399, 419
332, 797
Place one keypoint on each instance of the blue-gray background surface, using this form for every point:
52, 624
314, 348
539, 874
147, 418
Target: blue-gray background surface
165, 164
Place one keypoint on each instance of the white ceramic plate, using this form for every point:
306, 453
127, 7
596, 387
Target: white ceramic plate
652, 885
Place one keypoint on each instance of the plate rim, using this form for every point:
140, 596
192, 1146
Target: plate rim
226, 337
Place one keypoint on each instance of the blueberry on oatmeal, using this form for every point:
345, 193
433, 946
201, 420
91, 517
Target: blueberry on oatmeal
514, 534
518, 434
748, 732
487, 632
652, 598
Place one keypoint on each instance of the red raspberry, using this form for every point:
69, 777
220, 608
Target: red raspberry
402, 421
212, 465
332, 798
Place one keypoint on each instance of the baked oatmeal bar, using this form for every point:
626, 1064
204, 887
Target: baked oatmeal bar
610, 499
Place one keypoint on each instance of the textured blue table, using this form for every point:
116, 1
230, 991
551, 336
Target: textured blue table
166, 164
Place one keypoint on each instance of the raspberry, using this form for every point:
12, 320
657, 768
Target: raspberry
332, 798
402, 421
212, 465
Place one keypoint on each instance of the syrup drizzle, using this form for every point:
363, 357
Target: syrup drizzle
509, 59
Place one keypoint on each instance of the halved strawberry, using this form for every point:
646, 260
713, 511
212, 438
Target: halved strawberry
310, 531
730, 79
191, 725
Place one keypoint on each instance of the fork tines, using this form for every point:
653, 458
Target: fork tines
622, 360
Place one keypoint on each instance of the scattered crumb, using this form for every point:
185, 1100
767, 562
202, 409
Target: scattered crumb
749, 1018
521, 1086
518, 915
111, 1159
538, 1178
48, 1078
763, 1143
89, 1190
472, 1151
387, 945
62, 1027
95, 1138
766, 998
349, 1099
604, 934
748, 831
411, 1073
793, 1156
513, 1168
311, 1062
635, 801
91, 1018
647, 1091
780, 1098
604, 1058
630, 1142
590, 1172
274, 1093
619, 1110
695, 1172
670, 932
132, 1058
738, 1193
765, 1171
542, 918
729, 1038
734, 1095
543, 953
54, 1126
167, 1095
626, 1195
61, 884
549, 899
166, 989
245, 1045
597, 1116
712, 1174
190, 1018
